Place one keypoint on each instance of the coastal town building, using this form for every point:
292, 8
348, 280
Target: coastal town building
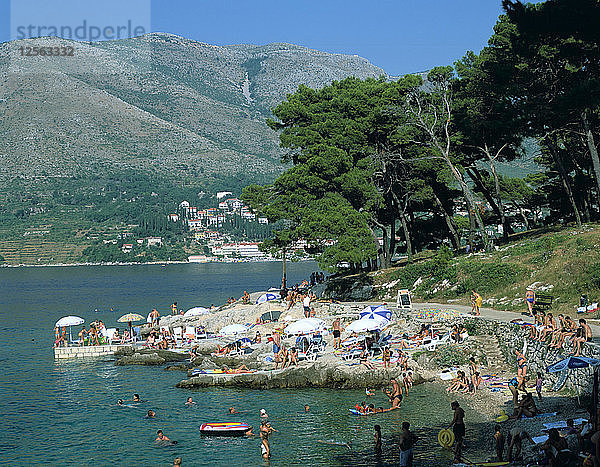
242, 249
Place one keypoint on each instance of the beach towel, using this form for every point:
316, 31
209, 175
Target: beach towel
563, 423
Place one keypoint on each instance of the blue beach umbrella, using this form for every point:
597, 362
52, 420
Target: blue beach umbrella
572, 362
380, 311
267, 297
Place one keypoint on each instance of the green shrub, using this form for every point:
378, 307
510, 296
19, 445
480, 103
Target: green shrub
486, 277
450, 355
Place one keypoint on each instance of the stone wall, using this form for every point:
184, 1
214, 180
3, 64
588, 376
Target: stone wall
512, 337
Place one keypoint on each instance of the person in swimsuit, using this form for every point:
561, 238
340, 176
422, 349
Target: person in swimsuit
476, 301
160, 437
82, 335
377, 429
189, 402
265, 431
517, 435
151, 414
174, 308
499, 438
584, 334
530, 299
407, 442
386, 357
550, 327
395, 394
521, 368
458, 428
336, 334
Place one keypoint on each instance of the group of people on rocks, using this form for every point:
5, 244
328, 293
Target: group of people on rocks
546, 326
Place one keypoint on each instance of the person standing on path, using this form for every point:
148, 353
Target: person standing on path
530, 299
407, 442
458, 428
476, 301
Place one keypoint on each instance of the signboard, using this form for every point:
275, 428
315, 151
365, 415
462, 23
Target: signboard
403, 300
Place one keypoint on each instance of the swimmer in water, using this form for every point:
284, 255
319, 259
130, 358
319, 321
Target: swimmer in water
120, 402
151, 414
190, 402
160, 437
232, 410
306, 408
136, 398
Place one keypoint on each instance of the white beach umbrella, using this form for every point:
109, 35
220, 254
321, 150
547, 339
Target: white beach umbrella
233, 330
196, 311
305, 326
69, 321
363, 325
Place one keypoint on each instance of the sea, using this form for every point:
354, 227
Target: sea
66, 413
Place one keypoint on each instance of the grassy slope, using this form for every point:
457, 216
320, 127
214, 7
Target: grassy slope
568, 260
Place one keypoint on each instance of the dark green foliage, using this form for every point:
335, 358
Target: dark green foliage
486, 277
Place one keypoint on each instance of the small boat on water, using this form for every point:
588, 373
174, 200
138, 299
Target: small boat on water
225, 429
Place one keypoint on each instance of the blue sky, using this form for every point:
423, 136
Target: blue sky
401, 36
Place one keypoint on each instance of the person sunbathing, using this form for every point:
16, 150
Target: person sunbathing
556, 333
116, 338
538, 320
549, 328
568, 331
293, 357
454, 384
240, 369
526, 407
584, 334
364, 360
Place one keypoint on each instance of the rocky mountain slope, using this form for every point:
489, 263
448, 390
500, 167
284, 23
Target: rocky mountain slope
158, 103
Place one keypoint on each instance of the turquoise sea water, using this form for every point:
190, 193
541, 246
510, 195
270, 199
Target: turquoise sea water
65, 413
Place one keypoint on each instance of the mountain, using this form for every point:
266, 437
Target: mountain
158, 104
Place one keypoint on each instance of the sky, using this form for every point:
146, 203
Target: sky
400, 36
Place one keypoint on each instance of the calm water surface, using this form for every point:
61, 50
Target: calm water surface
65, 412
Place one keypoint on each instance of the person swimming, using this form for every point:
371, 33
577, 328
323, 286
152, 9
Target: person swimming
232, 410
163, 440
189, 402
151, 414
306, 408
136, 398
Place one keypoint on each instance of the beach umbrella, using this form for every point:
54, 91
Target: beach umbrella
69, 321
572, 363
129, 318
371, 311
233, 330
196, 311
363, 325
305, 326
267, 297
436, 314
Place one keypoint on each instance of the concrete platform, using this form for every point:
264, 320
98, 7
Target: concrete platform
87, 351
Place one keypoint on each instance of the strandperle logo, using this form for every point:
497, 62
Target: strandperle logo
78, 20
83, 32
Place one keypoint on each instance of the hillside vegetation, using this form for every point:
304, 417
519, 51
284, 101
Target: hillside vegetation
564, 263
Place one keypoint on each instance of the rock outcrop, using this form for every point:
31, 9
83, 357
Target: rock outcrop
148, 357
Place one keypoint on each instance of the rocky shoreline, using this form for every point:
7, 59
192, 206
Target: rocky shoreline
492, 343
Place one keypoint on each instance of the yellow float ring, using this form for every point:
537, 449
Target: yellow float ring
446, 437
